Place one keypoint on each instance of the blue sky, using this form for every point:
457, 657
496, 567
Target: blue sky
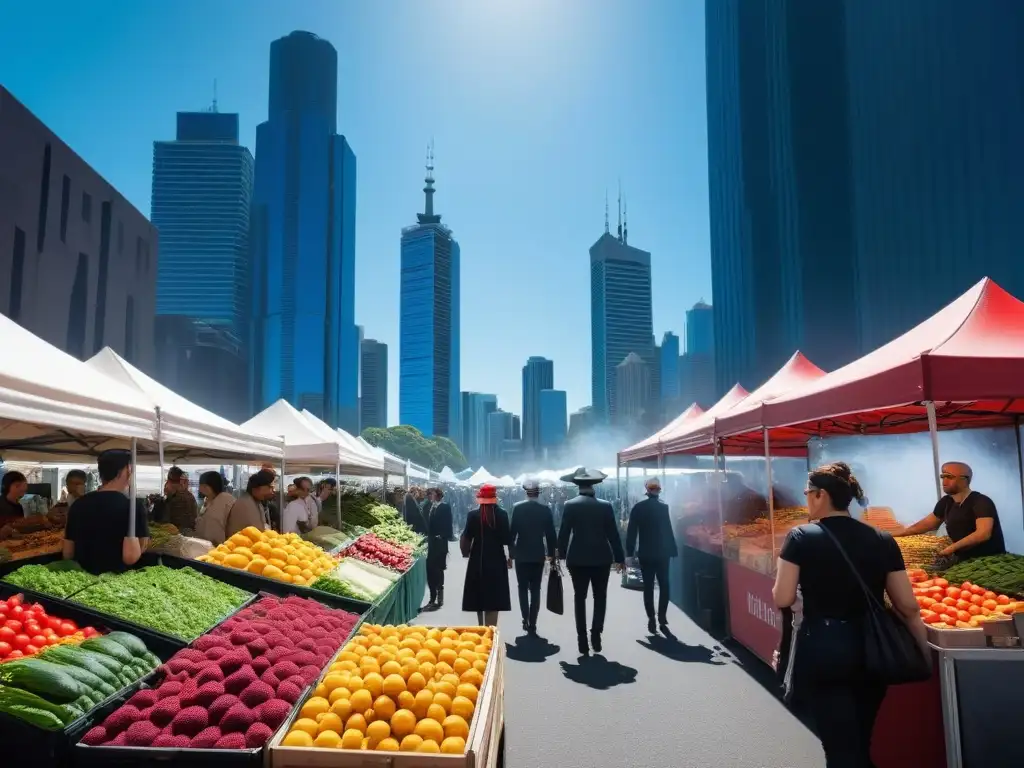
536, 107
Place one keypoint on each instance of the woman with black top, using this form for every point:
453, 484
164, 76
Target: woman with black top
484, 542
828, 666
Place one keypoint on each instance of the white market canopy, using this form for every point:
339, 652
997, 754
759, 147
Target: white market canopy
482, 477
54, 405
305, 444
188, 432
446, 475
393, 465
355, 458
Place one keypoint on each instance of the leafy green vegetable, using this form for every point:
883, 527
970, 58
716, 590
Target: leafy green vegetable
58, 578
179, 602
341, 588
397, 532
362, 509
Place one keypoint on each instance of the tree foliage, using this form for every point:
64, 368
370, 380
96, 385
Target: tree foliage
434, 453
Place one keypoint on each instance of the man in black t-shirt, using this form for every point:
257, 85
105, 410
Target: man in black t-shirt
970, 517
97, 531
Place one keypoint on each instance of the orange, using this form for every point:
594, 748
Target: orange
403, 722
424, 656
445, 701
446, 687
429, 746
327, 740
447, 655
374, 683
384, 708
314, 706
430, 730
453, 745
416, 682
387, 745
356, 722
406, 700
463, 707
378, 730
454, 725
297, 739
461, 665
342, 708
352, 739
339, 694
329, 722
473, 677
467, 690
437, 712
391, 668
393, 685
361, 699
410, 743
423, 700
355, 682
308, 725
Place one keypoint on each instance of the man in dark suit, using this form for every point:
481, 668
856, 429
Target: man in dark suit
532, 527
412, 511
590, 540
438, 520
649, 522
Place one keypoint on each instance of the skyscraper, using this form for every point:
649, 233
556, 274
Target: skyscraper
429, 339
553, 417
864, 163
202, 193
621, 319
669, 365
632, 389
538, 375
373, 400
304, 339
700, 329
476, 407
499, 430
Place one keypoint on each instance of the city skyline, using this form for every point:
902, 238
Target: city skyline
517, 222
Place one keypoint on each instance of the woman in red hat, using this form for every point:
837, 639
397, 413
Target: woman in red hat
484, 541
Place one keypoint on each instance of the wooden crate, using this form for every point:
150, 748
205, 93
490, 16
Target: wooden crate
483, 748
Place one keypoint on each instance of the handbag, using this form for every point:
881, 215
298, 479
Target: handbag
891, 654
555, 596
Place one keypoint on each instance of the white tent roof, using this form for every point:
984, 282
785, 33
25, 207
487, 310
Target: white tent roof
190, 432
447, 476
506, 481
393, 465
52, 404
482, 477
354, 459
305, 445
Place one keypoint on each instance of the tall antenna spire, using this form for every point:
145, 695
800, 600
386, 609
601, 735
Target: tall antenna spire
428, 216
606, 211
620, 210
625, 225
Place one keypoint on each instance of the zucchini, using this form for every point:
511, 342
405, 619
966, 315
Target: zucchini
111, 648
112, 665
152, 660
71, 655
130, 643
42, 678
32, 709
94, 683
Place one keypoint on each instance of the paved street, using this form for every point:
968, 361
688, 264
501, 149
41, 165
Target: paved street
644, 703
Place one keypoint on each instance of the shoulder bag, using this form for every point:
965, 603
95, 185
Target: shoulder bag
891, 655
555, 600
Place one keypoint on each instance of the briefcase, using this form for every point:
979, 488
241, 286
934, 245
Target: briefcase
555, 597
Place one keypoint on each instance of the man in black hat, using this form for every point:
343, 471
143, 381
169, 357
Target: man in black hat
532, 527
590, 539
649, 521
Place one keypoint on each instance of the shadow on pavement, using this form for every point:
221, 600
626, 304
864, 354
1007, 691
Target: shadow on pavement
598, 673
672, 648
531, 648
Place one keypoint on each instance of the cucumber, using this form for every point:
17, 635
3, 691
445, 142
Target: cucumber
32, 709
112, 665
95, 684
42, 678
130, 643
71, 655
111, 648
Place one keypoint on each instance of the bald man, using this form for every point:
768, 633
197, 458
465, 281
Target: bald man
970, 517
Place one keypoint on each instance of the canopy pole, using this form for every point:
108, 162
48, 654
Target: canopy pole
132, 488
384, 490
337, 489
618, 482
280, 490
407, 463
771, 490
719, 479
160, 440
933, 432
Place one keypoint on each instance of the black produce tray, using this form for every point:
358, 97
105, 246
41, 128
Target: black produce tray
155, 641
167, 757
54, 749
252, 582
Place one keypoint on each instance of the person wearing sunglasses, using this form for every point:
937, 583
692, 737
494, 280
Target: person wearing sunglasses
971, 519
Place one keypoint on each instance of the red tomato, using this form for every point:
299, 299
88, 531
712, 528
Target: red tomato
37, 608
67, 628
17, 612
3, 608
1003, 600
20, 641
31, 650
974, 610
52, 640
15, 654
32, 628
948, 601
977, 590
952, 592
90, 632
13, 624
39, 641
989, 595
53, 623
962, 605
14, 600
966, 585
941, 583
5, 648
7, 634
977, 599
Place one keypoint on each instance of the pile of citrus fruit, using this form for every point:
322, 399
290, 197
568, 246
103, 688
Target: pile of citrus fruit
397, 689
283, 557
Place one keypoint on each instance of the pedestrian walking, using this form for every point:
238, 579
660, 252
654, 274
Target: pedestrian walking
412, 510
590, 539
649, 524
438, 516
532, 527
485, 591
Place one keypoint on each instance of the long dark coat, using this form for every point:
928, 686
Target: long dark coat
439, 533
486, 587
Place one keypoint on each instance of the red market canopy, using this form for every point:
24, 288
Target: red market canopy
733, 397
649, 447
968, 359
745, 415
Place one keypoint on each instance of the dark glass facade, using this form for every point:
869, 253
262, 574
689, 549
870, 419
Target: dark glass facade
538, 375
373, 371
305, 345
864, 169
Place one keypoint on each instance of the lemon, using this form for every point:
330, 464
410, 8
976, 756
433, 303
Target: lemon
330, 722
429, 745
430, 730
338, 694
342, 708
317, 705
308, 725
352, 739
410, 743
356, 722
297, 739
378, 730
328, 740
453, 745
403, 722
455, 725
387, 745
437, 712
462, 707
361, 700
374, 683
468, 690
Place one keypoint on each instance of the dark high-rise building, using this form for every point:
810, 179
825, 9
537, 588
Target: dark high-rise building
621, 317
305, 346
700, 330
476, 408
202, 194
668, 364
864, 168
77, 261
553, 418
538, 375
429, 340
373, 400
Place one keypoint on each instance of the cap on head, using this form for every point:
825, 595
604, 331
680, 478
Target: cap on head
531, 485
653, 485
